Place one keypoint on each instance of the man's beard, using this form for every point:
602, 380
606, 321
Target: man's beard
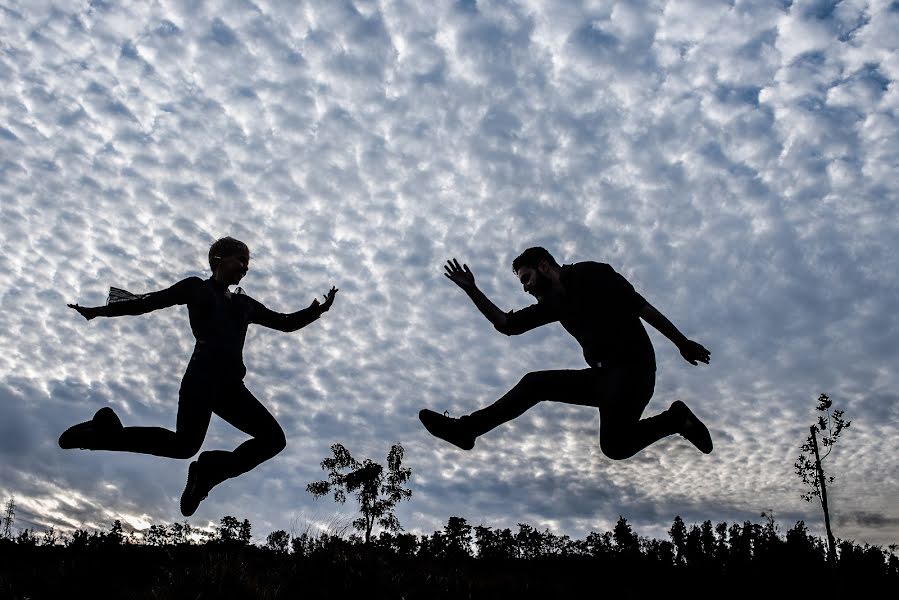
543, 287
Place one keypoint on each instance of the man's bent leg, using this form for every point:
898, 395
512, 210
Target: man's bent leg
622, 433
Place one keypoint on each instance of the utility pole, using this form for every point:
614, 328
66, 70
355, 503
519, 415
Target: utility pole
9, 518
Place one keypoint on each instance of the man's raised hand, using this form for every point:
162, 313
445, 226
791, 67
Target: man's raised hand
694, 351
460, 275
329, 300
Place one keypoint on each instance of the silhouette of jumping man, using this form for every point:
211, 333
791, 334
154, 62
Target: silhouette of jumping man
601, 309
213, 381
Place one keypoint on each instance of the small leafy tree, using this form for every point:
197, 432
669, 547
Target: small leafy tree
157, 535
498, 544
115, 536
678, 533
830, 425
599, 545
278, 541
627, 543
377, 490
232, 531
26, 537
180, 533
244, 535
457, 533
528, 541
50, 537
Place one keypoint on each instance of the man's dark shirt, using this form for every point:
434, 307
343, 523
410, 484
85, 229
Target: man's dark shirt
219, 323
601, 309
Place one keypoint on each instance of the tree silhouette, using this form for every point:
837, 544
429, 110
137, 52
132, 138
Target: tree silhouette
457, 536
377, 491
233, 531
494, 544
627, 544
157, 535
599, 545
278, 541
678, 533
830, 425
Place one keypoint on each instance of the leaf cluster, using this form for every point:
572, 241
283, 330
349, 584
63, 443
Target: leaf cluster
830, 424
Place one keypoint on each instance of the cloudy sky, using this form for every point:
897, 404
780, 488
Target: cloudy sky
736, 161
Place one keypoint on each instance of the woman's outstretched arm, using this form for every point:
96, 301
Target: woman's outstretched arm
180, 293
293, 321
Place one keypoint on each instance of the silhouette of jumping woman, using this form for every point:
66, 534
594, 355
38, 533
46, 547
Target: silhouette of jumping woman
213, 381
602, 311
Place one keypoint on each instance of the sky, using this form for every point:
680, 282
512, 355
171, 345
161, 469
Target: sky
736, 161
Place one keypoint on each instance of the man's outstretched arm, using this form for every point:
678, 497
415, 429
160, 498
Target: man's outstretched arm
692, 352
462, 276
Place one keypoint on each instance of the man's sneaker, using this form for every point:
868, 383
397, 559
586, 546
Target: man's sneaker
447, 428
691, 428
196, 489
97, 434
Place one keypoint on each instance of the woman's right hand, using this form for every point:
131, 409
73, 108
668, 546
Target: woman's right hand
86, 311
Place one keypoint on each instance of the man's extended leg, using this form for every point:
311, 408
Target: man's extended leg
569, 386
242, 410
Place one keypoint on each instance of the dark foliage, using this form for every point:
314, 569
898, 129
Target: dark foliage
460, 561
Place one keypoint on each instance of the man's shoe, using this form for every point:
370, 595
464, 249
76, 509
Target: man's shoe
196, 489
96, 434
447, 428
691, 428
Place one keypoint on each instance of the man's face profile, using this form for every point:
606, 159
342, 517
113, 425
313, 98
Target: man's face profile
534, 282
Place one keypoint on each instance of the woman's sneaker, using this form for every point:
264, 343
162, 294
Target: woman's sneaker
100, 433
196, 489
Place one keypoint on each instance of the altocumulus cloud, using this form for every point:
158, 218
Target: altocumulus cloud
736, 161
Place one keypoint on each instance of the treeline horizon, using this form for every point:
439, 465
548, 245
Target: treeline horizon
177, 560
458, 538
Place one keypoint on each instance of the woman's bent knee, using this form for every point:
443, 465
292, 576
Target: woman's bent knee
615, 449
279, 442
186, 448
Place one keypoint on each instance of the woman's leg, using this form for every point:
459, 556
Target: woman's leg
190, 431
242, 410
194, 411
105, 431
